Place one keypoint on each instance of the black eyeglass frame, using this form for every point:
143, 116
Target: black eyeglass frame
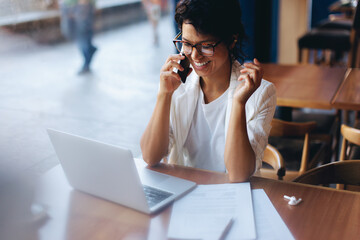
194, 46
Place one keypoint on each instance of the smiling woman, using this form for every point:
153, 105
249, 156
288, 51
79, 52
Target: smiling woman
219, 119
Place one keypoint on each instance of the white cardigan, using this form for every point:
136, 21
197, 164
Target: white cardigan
259, 108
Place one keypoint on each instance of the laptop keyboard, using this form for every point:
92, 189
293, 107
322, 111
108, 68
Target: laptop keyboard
154, 195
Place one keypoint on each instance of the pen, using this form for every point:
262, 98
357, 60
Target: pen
227, 229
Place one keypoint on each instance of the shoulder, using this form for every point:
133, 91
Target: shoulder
266, 92
264, 97
267, 86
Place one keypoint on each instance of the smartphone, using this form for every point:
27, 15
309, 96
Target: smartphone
185, 63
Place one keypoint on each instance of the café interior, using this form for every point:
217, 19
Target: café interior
308, 49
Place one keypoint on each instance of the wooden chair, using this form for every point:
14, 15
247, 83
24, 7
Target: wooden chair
286, 136
327, 128
345, 172
350, 136
273, 158
350, 149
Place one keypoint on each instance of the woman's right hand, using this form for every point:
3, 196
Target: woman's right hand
169, 80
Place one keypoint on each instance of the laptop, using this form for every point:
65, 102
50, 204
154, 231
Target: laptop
110, 172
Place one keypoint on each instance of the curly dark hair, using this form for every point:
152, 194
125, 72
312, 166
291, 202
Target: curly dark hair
221, 19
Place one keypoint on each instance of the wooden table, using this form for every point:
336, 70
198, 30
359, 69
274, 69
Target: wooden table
323, 214
304, 86
348, 95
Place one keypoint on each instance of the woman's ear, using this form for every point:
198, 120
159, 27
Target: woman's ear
235, 39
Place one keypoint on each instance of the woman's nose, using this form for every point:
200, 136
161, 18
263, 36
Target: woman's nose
195, 54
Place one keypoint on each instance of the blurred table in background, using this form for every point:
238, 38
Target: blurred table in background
304, 86
348, 95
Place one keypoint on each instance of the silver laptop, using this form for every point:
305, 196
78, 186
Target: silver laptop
110, 172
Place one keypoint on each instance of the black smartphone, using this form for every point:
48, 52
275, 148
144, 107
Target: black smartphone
185, 63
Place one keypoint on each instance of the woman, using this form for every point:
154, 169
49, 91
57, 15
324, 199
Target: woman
219, 119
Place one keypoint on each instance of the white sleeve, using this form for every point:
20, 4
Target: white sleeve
259, 124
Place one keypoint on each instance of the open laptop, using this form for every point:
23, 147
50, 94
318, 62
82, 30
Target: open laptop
110, 172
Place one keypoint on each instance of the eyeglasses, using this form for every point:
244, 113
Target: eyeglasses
204, 49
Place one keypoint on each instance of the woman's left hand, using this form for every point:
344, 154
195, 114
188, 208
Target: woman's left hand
250, 80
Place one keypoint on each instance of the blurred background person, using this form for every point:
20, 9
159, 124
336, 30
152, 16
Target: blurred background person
153, 12
77, 23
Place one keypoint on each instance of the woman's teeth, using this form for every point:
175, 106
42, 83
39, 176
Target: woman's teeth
201, 64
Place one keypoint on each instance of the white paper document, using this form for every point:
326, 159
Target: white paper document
220, 211
269, 224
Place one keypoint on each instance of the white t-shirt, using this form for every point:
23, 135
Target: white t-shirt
205, 143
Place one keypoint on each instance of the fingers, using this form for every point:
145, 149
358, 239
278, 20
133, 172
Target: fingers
175, 57
170, 75
253, 66
169, 79
254, 71
173, 62
247, 81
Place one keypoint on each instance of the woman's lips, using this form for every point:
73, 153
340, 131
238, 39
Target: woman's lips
200, 65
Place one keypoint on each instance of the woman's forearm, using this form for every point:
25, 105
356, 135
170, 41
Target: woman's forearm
239, 155
155, 140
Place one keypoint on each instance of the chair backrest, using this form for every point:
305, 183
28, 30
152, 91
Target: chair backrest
280, 128
350, 135
346, 172
273, 157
